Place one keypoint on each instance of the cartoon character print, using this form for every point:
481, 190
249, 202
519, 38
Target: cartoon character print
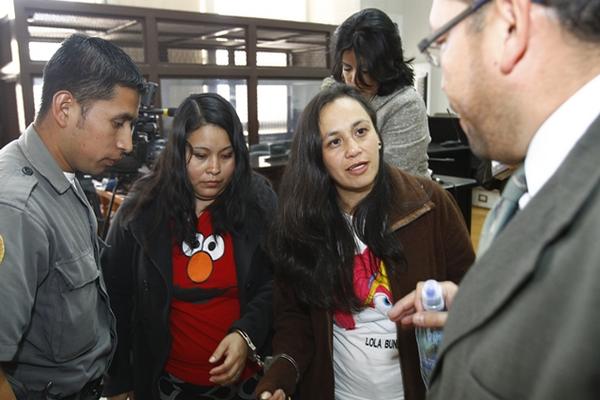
370, 284
202, 257
380, 296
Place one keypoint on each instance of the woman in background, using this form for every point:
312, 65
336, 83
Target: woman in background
351, 236
368, 55
185, 269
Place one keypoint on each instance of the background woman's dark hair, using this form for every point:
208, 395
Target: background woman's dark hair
167, 186
375, 39
311, 243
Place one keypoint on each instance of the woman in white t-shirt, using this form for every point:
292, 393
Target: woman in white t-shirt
352, 235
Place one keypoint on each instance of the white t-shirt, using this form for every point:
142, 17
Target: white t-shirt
366, 362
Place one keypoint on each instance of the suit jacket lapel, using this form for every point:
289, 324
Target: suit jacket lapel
513, 256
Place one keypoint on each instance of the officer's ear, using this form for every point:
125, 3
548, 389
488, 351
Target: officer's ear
63, 107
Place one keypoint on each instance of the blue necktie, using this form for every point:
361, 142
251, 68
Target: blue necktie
504, 210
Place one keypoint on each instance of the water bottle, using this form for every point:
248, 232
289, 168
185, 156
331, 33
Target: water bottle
428, 340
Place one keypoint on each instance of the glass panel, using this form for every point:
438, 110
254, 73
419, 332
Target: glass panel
240, 57
302, 48
201, 43
280, 103
42, 51
47, 30
222, 57
273, 109
271, 59
38, 82
174, 91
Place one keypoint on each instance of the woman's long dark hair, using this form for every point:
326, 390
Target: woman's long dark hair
375, 39
311, 242
167, 186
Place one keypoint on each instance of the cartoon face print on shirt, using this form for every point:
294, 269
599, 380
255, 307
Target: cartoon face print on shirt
371, 286
202, 258
380, 296
204, 269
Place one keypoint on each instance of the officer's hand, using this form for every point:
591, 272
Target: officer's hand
233, 351
123, 396
409, 310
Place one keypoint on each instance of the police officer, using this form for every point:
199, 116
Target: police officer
56, 329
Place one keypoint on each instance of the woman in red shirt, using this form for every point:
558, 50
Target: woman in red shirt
185, 268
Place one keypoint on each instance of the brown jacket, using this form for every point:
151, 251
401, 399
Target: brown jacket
436, 245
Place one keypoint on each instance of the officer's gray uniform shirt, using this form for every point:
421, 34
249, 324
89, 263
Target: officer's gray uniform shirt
55, 320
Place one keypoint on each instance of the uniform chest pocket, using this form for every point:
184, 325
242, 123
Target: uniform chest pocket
77, 304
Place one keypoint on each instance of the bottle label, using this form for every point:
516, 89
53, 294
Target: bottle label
428, 343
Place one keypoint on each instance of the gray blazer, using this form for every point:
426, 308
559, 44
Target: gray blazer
526, 321
402, 123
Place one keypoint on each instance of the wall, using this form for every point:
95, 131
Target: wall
271, 9
415, 28
318, 11
331, 12
181, 5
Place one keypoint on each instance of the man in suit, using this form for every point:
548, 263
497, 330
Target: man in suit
525, 78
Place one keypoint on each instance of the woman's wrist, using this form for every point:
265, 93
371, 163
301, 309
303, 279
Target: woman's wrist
252, 354
269, 361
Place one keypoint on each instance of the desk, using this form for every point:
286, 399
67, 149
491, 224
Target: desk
460, 188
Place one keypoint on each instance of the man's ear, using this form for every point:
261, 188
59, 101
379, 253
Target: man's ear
515, 15
63, 107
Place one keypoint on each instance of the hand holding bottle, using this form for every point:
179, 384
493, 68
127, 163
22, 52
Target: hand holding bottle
409, 309
429, 339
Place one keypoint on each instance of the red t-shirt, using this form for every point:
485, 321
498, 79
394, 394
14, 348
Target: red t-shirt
205, 302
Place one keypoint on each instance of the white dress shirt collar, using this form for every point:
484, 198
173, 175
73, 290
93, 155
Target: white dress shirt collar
558, 135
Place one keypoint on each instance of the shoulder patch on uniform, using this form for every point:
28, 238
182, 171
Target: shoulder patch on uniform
1, 249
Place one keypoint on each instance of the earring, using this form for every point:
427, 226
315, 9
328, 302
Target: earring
380, 145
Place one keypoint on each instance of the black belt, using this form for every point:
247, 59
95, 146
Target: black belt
90, 391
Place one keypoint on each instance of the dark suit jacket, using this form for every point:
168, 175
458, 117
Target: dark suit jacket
526, 321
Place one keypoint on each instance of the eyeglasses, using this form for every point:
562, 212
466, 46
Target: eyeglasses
428, 46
